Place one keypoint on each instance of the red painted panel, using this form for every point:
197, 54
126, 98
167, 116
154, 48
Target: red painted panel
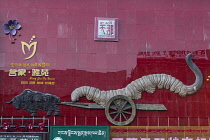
154, 38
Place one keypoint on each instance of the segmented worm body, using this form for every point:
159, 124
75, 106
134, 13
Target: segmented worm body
146, 83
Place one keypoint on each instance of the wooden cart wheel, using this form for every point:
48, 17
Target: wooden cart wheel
120, 110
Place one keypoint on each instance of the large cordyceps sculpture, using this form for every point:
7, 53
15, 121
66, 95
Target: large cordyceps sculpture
146, 83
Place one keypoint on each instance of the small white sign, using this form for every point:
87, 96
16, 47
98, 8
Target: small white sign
106, 29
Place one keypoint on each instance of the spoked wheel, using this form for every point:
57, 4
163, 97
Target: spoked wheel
120, 110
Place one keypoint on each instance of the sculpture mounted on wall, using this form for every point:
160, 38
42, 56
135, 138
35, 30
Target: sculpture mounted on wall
12, 28
118, 104
32, 101
146, 83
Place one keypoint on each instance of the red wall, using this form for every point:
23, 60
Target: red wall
154, 37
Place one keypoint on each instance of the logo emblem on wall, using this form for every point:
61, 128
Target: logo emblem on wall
29, 46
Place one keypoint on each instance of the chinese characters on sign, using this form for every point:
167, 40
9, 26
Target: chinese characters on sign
106, 29
34, 72
38, 72
37, 76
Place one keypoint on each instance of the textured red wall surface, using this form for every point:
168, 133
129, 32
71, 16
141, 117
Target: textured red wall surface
154, 37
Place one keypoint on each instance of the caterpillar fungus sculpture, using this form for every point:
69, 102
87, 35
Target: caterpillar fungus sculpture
146, 83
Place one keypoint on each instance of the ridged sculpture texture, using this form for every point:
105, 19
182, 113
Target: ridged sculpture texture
146, 83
